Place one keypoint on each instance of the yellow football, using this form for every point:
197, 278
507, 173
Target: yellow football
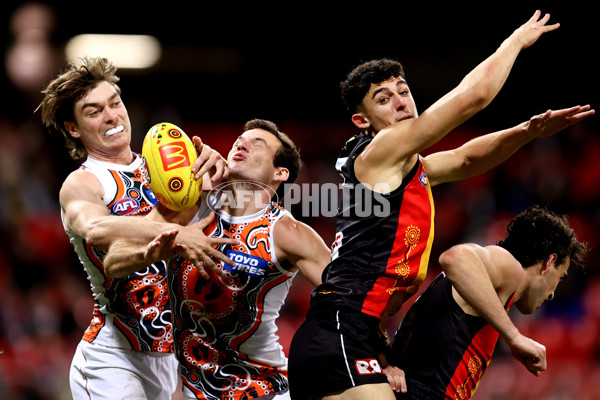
169, 155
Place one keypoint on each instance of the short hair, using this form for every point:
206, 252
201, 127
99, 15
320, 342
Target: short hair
68, 88
537, 232
287, 156
358, 82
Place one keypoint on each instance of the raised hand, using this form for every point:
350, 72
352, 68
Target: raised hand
210, 161
554, 121
528, 33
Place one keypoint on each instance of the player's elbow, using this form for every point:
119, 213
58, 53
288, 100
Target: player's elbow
465, 166
113, 269
95, 235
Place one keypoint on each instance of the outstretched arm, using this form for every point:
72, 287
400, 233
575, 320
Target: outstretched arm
84, 212
124, 258
477, 89
302, 247
128, 255
485, 152
481, 276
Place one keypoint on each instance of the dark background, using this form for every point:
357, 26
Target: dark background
233, 63
224, 64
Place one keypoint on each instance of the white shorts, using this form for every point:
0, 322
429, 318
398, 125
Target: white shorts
99, 372
188, 395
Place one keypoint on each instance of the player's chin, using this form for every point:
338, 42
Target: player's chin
532, 310
239, 174
527, 309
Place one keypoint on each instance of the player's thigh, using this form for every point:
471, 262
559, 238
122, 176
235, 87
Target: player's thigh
105, 384
379, 391
100, 372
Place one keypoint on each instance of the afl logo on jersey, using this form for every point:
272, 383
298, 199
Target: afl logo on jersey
246, 264
423, 178
125, 206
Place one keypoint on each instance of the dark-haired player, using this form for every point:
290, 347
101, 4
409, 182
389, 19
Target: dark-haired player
380, 258
445, 342
224, 327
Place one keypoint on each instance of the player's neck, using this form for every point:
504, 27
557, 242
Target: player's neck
125, 157
246, 198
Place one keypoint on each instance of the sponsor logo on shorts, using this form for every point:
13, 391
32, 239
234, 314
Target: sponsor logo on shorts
246, 264
368, 367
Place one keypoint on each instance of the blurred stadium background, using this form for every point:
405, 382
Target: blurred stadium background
220, 66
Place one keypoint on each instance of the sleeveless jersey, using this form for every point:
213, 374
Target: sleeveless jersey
131, 312
443, 351
224, 327
383, 241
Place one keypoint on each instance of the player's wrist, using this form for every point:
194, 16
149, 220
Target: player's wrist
511, 335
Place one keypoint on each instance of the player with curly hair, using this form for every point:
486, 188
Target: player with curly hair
445, 342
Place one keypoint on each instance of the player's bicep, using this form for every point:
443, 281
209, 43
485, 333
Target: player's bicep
81, 202
314, 261
396, 143
443, 166
302, 247
389, 148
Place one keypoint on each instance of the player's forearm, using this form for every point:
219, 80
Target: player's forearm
125, 258
477, 89
101, 232
484, 82
486, 152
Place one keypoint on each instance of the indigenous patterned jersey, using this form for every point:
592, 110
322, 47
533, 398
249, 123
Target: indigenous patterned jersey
443, 351
131, 312
224, 327
383, 240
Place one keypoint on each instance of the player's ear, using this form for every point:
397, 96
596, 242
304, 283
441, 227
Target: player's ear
549, 263
72, 129
360, 121
281, 174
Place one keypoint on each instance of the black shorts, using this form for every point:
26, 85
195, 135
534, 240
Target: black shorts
333, 351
